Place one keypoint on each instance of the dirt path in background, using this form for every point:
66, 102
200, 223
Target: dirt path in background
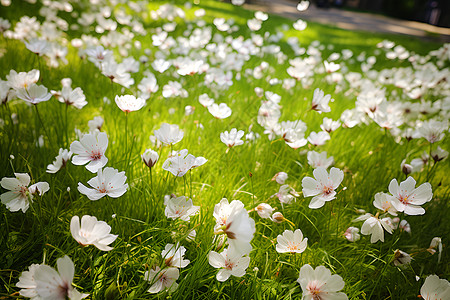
352, 20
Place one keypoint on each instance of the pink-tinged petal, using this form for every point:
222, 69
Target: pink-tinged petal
216, 260
421, 195
321, 175
310, 187
316, 202
413, 210
336, 176
394, 188
66, 269
407, 186
223, 275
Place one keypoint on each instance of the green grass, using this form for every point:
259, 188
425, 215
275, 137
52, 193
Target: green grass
369, 157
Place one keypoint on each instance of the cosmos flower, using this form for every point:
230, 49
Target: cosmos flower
60, 161
92, 232
291, 242
169, 134
435, 288
323, 186
181, 208
173, 256
90, 149
351, 234
374, 226
407, 198
316, 159
383, 202
229, 262
232, 138
109, 182
128, 103
219, 111
280, 177
182, 162
320, 101
164, 279
44, 282
150, 158
319, 284
20, 195
33, 94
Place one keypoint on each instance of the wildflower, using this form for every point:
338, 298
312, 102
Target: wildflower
286, 194
374, 226
230, 263
280, 177
20, 195
90, 149
205, 100
44, 282
292, 242
383, 202
60, 161
439, 154
316, 159
92, 232
150, 158
323, 186
351, 234
169, 134
319, 284
277, 217
407, 198
128, 103
162, 279
219, 111
320, 101
69, 96
232, 138
433, 131
173, 256
22, 80
318, 139
181, 208
109, 182
233, 220
37, 46
329, 125
436, 242
401, 258
264, 210
33, 94
435, 288
182, 162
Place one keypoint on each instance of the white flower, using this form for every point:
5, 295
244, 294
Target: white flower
232, 138
128, 103
264, 210
323, 186
319, 284
299, 25
90, 149
436, 242
44, 282
230, 263
316, 159
401, 258
74, 97
109, 182
60, 161
292, 242
169, 134
182, 162
162, 279
173, 256
439, 154
205, 100
22, 79
383, 202
280, 177
180, 207
318, 139
150, 157
92, 232
219, 111
374, 226
320, 101
433, 131
329, 125
407, 198
351, 234
286, 194
435, 288
33, 94
20, 195
233, 220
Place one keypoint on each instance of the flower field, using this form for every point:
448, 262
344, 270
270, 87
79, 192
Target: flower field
198, 150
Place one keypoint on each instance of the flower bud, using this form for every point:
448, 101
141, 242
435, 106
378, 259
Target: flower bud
150, 157
264, 210
280, 177
277, 217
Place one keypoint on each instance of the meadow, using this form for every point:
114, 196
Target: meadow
197, 138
